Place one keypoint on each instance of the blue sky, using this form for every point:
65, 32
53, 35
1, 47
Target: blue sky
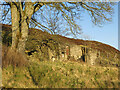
107, 34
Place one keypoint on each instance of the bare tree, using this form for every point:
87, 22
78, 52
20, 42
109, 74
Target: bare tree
23, 13
52, 20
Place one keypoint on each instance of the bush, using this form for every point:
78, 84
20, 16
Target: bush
12, 57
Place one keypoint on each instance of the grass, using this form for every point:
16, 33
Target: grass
12, 57
17, 78
47, 74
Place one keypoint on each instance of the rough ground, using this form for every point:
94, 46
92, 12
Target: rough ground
47, 74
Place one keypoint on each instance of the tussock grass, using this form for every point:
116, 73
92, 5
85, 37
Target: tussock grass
16, 78
73, 75
47, 74
12, 57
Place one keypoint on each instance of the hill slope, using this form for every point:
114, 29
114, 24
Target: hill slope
60, 75
92, 44
109, 56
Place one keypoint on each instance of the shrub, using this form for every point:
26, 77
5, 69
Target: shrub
12, 57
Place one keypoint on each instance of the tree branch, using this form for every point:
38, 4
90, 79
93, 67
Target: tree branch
40, 24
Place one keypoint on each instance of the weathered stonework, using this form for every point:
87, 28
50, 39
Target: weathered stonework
75, 52
91, 56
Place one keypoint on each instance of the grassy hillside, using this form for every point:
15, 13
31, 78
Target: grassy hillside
58, 74
17, 72
37, 39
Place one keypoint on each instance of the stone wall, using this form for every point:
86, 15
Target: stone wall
75, 52
91, 56
63, 55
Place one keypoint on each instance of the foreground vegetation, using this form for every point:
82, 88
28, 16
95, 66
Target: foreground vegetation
67, 74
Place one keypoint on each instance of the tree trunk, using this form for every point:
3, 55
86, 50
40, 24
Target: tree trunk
20, 24
26, 16
15, 26
23, 38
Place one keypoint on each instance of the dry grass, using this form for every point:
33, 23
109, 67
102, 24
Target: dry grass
68, 74
12, 57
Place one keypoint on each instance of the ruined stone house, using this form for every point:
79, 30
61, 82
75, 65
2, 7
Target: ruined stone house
74, 52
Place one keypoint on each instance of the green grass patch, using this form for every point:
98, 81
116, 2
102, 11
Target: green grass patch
47, 74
